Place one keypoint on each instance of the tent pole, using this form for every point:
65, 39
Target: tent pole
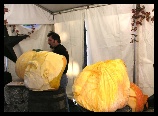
134, 78
134, 43
44, 8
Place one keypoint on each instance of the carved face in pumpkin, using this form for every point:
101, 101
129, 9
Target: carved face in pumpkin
44, 70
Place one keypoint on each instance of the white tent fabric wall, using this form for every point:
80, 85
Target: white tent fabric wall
108, 37
145, 75
109, 33
27, 14
70, 28
37, 40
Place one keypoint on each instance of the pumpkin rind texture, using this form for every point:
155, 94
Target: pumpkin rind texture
103, 86
43, 70
137, 99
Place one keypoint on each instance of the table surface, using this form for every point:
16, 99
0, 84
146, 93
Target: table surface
16, 84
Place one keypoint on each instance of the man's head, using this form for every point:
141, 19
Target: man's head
53, 39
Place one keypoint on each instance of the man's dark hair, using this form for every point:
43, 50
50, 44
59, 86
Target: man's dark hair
54, 35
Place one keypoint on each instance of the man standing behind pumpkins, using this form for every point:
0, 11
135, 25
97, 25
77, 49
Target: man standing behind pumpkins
55, 44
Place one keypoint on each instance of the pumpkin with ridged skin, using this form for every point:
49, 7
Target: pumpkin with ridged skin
137, 99
42, 70
103, 86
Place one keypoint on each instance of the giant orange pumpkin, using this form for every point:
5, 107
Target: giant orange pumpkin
137, 99
103, 86
41, 70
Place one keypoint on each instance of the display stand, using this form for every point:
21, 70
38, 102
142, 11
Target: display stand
18, 98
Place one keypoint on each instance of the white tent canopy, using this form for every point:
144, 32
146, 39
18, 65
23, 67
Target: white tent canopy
108, 36
27, 14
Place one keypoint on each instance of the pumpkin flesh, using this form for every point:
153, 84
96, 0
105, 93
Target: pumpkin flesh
21, 63
43, 70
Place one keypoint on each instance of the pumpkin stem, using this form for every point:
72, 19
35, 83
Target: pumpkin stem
37, 50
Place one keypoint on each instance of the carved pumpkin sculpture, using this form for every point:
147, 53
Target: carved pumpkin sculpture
103, 86
40, 70
21, 63
137, 99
